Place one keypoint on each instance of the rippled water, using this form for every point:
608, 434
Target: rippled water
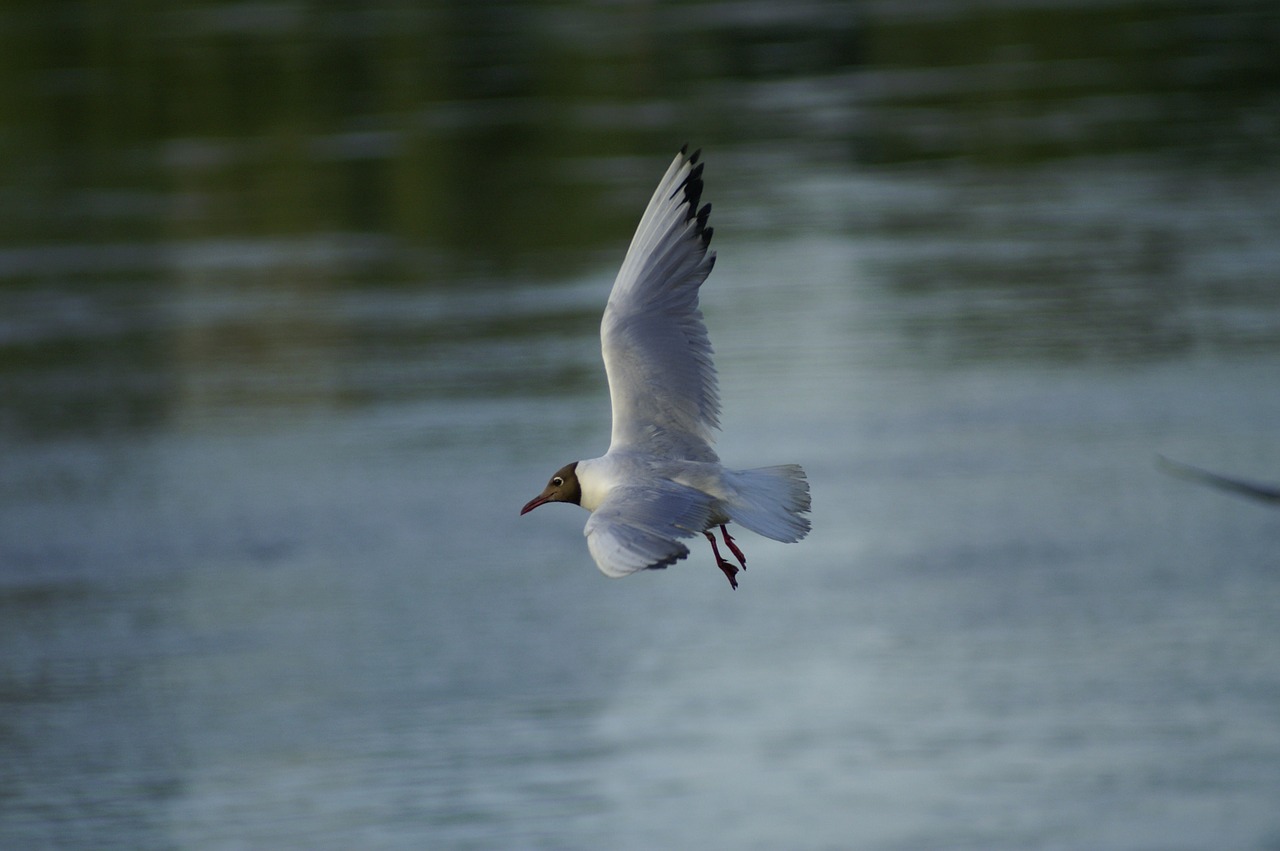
265, 433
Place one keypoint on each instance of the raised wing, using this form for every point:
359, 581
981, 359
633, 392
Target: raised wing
662, 382
637, 528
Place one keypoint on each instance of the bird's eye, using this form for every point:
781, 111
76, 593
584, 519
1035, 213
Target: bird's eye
556, 481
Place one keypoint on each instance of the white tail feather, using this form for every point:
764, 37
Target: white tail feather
770, 501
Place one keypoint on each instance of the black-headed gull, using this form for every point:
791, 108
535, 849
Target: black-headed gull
661, 479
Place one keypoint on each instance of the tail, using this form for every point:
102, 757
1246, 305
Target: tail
771, 501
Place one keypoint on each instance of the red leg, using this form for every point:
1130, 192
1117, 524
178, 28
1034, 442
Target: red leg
737, 553
729, 569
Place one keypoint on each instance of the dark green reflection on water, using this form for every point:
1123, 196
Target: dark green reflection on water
190, 192
1023, 85
458, 127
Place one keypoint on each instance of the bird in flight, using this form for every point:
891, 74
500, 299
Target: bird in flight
661, 480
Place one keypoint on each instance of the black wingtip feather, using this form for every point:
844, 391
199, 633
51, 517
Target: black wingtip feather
692, 187
663, 564
692, 181
684, 149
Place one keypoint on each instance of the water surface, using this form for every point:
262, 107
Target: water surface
298, 307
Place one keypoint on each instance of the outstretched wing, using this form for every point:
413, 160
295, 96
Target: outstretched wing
662, 382
638, 528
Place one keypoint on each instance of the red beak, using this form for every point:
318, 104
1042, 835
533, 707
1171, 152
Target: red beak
533, 503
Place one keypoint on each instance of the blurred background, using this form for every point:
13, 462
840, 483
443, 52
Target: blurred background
299, 304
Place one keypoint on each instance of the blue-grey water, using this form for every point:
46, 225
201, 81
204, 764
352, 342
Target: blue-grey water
297, 308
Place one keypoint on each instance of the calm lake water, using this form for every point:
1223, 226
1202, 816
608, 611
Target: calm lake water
297, 309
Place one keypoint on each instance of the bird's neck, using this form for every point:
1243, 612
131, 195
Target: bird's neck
596, 478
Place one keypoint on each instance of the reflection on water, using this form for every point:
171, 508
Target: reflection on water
298, 305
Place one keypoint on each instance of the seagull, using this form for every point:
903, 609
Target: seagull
660, 479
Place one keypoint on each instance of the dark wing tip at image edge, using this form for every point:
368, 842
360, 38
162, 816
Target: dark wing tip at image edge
1254, 490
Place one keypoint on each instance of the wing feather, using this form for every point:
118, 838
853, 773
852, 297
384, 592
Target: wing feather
637, 528
657, 354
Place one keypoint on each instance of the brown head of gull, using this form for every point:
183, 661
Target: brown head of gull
563, 487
